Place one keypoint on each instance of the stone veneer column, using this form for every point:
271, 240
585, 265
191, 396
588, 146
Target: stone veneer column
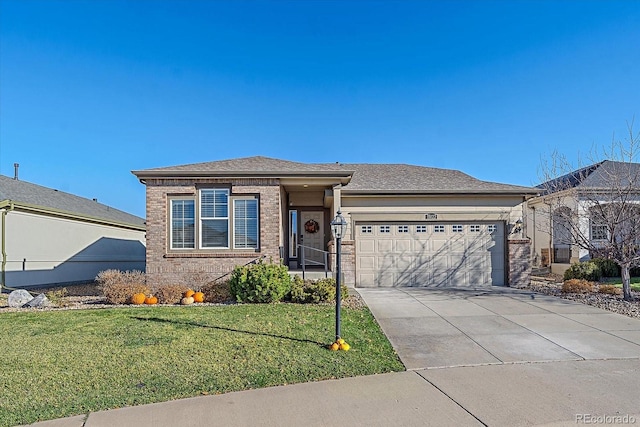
348, 257
519, 262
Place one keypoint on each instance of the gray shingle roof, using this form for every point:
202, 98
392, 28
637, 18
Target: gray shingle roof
366, 178
603, 175
23, 192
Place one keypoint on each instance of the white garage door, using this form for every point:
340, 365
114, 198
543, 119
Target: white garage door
430, 254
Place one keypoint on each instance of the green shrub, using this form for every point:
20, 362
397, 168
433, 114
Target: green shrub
118, 287
577, 286
260, 283
608, 267
316, 291
171, 293
583, 270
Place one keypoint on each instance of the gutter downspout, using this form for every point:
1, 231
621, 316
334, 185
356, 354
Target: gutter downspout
8, 207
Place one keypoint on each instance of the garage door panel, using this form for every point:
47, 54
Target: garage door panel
428, 254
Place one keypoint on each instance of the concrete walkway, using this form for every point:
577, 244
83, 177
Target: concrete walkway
492, 357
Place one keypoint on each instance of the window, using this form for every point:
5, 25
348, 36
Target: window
403, 229
599, 232
366, 229
245, 224
219, 219
214, 218
182, 233
293, 234
385, 229
438, 228
457, 228
474, 228
491, 228
421, 228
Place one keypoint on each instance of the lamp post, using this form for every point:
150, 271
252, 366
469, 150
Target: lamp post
338, 228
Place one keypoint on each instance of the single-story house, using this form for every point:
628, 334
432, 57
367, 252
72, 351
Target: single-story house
566, 219
51, 237
408, 225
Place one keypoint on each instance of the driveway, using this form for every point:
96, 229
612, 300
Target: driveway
436, 328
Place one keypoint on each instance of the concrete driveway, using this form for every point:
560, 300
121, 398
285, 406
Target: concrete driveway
433, 328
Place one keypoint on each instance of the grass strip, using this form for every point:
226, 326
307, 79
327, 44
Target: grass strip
62, 363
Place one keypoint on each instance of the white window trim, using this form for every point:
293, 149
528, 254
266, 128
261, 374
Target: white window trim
195, 221
233, 226
201, 218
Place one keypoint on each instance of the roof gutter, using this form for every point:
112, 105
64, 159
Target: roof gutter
240, 174
6, 206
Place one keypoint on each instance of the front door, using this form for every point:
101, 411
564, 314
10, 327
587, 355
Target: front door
312, 237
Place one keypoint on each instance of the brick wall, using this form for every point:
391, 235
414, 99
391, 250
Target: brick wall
347, 258
519, 262
164, 266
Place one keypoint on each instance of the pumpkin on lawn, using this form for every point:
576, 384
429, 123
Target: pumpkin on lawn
198, 297
138, 298
189, 293
186, 301
151, 300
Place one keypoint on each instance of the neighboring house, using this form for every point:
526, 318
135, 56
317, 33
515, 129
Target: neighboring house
569, 210
51, 237
408, 225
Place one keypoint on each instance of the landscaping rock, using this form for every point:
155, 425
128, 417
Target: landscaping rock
38, 302
19, 297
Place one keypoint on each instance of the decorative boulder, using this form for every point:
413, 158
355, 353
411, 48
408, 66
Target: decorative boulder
38, 302
19, 297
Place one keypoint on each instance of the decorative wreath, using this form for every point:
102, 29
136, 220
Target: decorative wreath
311, 226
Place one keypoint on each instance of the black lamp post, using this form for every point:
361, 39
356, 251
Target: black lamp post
338, 228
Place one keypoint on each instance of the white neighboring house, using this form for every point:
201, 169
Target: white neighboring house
52, 237
557, 218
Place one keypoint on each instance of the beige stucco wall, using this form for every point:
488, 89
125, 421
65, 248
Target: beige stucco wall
61, 250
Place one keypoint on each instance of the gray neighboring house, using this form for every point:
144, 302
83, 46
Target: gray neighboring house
52, 237
408, 225
573, 196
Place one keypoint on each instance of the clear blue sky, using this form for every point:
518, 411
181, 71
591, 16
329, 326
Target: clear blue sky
90, 90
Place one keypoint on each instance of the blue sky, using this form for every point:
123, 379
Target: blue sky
90, 90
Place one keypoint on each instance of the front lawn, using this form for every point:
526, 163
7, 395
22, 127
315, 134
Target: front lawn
617, 281
62, 363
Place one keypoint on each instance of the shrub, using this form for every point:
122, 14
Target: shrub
608, 267
315, 291
118, 287
260, 282
609, 289
57, 297
217, 292
577, 286
583, 270
170, 294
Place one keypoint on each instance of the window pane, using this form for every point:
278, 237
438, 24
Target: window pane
214, 203
182, 224
245, 213
215, 233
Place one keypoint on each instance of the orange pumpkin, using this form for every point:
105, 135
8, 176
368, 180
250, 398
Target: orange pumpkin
138, 298
189, 293
151, 300
198, 297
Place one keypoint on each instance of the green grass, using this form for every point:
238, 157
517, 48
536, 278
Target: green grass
616, 281
62, 363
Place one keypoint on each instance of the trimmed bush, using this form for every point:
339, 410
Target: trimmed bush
607, 267
583, 270
170, 294
217, 292
118, 287
609, 289
577, 286
260, 282
315, 291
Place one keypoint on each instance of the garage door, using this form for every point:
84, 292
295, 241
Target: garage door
430, 254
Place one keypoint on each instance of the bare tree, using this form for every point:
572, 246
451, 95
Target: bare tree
596, 208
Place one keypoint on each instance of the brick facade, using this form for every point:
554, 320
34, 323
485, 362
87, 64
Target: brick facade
348, 260
166, 266
519, 262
